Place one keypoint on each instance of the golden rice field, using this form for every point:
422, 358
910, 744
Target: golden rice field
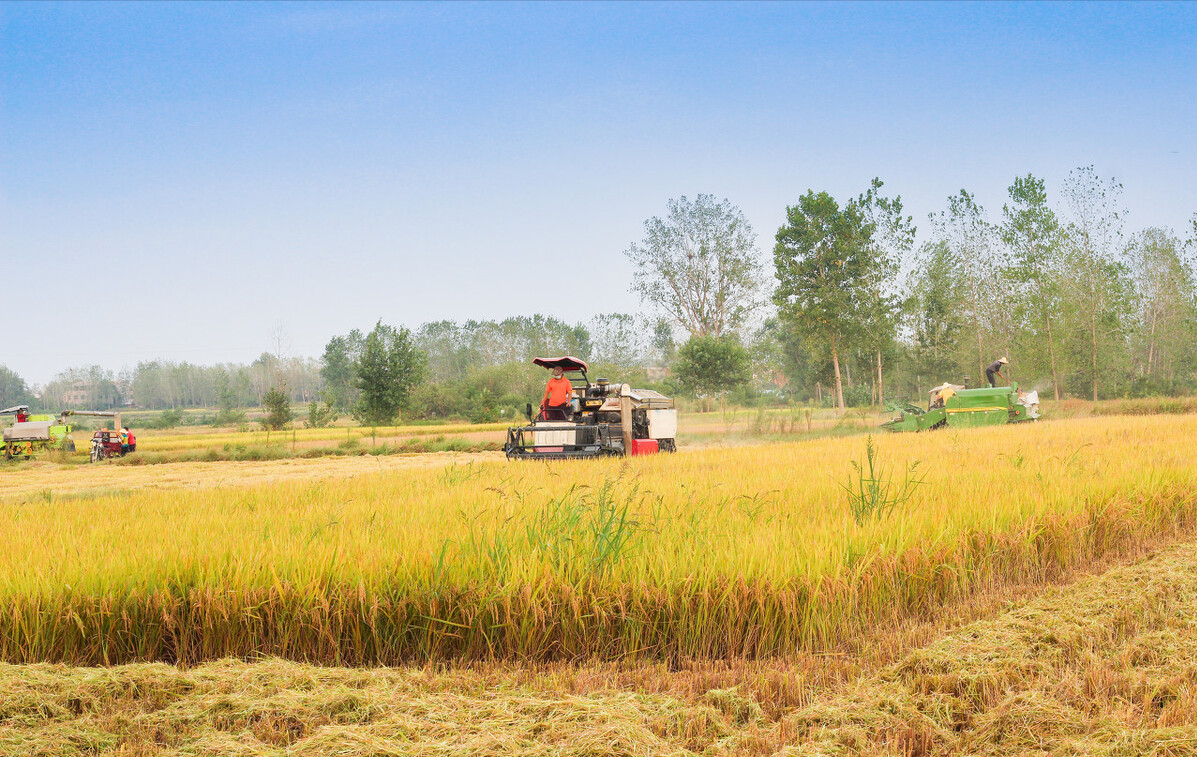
740, 552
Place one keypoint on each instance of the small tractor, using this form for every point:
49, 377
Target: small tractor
963, 408
32, 434
605, 419
107, 443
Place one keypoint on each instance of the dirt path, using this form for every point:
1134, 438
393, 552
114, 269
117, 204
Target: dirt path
1106, 665
36, 478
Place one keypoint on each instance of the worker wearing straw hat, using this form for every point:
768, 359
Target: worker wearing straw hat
995, 368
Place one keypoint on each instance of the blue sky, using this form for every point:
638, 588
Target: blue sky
181, 180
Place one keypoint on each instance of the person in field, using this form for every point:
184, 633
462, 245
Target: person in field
558, 393
995, 369
942, 395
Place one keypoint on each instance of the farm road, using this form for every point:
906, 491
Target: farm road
32, 479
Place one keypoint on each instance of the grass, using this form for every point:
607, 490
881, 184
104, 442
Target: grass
713, 554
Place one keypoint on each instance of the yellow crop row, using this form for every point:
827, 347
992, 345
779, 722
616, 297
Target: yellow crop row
153, 441
716, 552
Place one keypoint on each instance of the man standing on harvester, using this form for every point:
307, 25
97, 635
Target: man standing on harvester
557, 396
995, 368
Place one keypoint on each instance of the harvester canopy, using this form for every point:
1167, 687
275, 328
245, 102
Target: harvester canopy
566, 363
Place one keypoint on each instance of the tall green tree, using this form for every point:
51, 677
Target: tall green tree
890, 237
699, 265
1166, 322
338, 368
969, 236
390, 366
1031, 232
936, 321
1097, 290
823, 263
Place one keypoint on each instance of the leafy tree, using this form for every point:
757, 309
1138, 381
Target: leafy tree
698, 265
1167, 312
1031, 232
935, 320
823, 262
969, 236
338, 368
277, 403
390, 366
890, 238
321, 416
712, 365
1097, 290
13, 390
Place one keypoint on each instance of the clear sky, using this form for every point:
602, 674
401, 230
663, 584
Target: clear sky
180, 180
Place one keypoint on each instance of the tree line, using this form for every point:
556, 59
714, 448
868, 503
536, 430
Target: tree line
849, 311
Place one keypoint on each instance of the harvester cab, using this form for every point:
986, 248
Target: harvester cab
604, 419
31, 434
953, 406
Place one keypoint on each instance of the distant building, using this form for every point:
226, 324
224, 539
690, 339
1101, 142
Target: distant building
78, 393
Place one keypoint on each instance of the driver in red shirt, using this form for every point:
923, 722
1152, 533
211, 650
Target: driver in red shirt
557, 396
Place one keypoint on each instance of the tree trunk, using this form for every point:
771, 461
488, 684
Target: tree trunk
1151, 342
1093, 336
880, 383
839, 383
1051, 351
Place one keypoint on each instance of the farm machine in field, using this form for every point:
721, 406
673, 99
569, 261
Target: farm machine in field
105, 443
953, 406
33, 434
604, 419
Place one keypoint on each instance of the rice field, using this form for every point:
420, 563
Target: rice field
714, 553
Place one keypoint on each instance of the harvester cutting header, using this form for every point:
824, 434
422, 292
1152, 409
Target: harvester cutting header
579, 419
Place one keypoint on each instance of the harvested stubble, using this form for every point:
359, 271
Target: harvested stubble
721, 553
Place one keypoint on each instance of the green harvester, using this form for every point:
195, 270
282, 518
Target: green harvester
988, 406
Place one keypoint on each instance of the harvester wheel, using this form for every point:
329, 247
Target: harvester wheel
70, 445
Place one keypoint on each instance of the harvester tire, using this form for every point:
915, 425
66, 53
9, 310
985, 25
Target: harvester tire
70, 445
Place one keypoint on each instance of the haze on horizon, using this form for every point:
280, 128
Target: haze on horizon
180, 181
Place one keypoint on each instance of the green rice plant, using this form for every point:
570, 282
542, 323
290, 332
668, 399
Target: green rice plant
872, 493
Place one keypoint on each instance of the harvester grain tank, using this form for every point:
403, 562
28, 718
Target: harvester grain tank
986, 406
604, 419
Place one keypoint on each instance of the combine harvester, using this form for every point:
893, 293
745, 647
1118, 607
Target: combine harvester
605, 419
33, 434
963, 408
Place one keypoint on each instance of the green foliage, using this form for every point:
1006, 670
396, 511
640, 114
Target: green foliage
13, 390
390, 366
872, 493
321, 416
338, 368
278, 408
712, 365
170, 418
